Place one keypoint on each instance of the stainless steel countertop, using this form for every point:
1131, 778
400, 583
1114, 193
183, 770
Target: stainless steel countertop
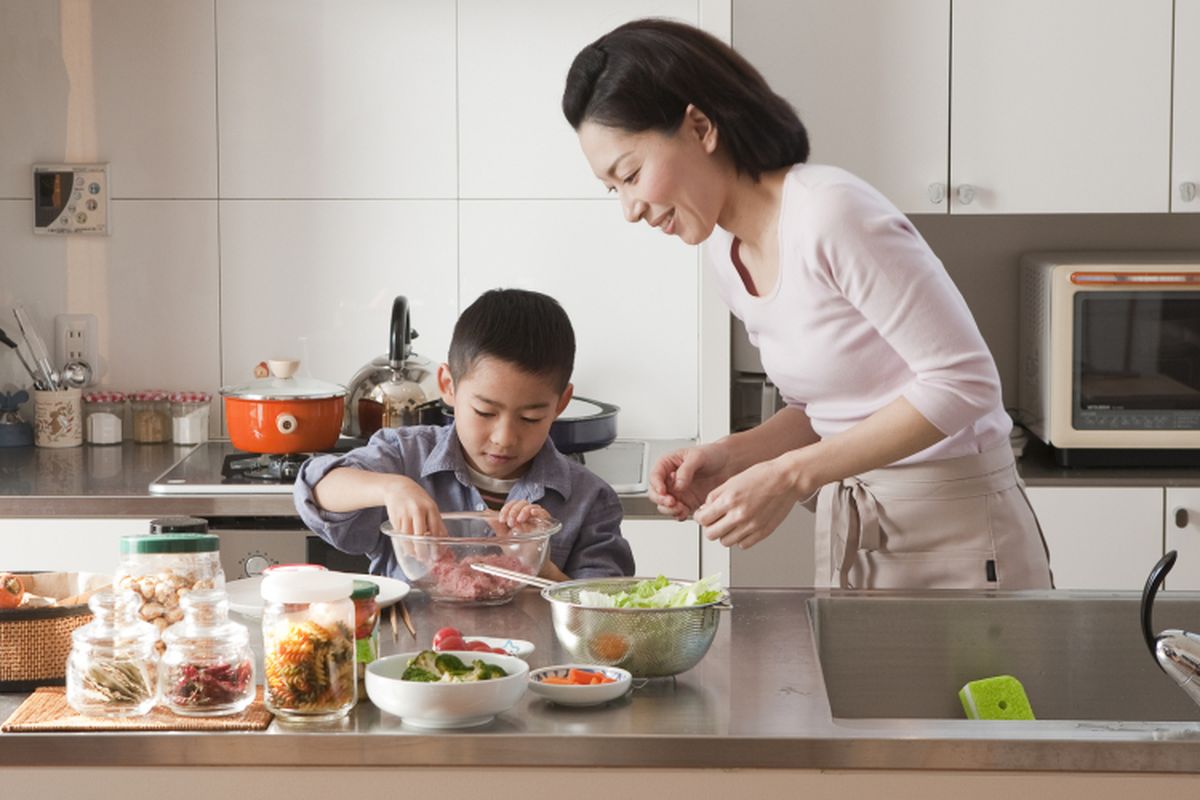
113, 481
757, 700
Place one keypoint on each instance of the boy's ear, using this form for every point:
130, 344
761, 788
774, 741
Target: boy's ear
567, 394
445, 384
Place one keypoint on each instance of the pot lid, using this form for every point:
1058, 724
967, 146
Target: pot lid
283, 384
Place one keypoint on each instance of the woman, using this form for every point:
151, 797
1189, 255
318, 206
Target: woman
894, 426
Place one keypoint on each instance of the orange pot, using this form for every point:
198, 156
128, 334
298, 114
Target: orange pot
283, 414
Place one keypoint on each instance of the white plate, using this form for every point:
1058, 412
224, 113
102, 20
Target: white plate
571, 695
514, 647
245, 597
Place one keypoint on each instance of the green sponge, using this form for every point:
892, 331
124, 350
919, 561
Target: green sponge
1001, 697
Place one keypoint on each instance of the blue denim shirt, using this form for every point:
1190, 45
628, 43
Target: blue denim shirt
589, 545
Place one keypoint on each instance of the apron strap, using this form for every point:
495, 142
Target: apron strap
848, 522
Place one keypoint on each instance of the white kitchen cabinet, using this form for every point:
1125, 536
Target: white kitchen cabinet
1060, 107
1185, 160
1181, 522
664, 547
871, 82
65, 545
1100, 537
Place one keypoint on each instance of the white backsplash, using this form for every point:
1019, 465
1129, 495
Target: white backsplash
281, 171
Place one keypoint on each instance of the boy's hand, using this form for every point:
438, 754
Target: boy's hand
410, 509
517, 512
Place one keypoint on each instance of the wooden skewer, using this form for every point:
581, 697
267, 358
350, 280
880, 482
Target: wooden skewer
407, 619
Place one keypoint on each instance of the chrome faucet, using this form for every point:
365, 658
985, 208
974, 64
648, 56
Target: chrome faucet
1177, 652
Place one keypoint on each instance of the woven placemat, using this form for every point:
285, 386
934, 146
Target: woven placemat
46, 711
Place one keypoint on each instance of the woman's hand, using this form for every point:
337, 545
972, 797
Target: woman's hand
748, 507
410, 509
680, 481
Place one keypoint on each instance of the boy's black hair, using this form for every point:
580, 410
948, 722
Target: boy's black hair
527, 329
643, 75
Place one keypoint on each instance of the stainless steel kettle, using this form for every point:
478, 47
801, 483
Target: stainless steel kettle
393, 390
1176, 651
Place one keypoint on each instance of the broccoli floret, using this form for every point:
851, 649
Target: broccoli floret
445, 662
415, 673
426, 660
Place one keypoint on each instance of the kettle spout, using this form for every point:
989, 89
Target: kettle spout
1178, 653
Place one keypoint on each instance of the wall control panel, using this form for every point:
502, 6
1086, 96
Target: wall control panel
70, 198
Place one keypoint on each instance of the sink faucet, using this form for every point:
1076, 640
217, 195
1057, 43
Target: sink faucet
1177, 652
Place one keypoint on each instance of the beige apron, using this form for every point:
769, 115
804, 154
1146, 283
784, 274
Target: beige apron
958, 523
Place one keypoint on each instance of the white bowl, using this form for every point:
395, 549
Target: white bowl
572, 695
446, 705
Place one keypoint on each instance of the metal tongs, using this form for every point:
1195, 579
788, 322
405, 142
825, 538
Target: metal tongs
47, 380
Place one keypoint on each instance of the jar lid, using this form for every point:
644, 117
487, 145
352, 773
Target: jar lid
189, 397
364, 590
306, 587
284, 385
148, 395
178, 524
104, 396
171, 543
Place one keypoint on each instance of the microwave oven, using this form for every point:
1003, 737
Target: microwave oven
1110, 357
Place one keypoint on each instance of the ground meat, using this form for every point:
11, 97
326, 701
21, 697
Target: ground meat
453, 578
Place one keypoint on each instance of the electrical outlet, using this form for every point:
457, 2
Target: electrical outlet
76, 338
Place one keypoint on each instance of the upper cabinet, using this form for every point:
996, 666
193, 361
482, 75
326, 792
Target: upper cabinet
1185, 161
870, 80
985, 107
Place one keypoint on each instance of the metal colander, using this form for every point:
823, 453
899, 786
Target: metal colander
649, 642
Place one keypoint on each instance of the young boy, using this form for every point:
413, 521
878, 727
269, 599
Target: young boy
508, 378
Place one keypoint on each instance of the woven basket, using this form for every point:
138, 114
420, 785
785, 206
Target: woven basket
35, 642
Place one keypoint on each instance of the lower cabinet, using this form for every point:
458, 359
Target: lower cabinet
664, 547
1102, 537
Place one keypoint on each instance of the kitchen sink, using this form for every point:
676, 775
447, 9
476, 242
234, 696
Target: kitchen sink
1079, 655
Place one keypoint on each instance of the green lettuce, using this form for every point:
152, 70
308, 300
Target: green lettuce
658, 593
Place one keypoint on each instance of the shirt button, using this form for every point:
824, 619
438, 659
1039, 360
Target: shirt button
480, 507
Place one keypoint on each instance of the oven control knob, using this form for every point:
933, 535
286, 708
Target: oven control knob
255, 564
286, 423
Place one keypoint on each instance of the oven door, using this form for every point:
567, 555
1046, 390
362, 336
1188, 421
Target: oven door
251, 544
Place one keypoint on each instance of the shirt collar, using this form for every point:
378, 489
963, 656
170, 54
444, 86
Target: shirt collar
548, 470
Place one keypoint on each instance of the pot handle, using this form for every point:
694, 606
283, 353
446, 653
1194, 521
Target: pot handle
286, 424
402, 333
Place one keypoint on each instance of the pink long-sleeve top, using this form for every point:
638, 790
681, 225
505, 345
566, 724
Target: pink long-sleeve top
863, 312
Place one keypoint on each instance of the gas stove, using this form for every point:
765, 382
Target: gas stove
220, 468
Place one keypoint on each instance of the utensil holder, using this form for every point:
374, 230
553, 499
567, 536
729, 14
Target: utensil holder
58, 418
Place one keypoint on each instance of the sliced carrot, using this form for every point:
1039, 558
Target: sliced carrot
557, 681
579, 676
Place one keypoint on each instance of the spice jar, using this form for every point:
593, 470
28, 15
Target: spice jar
163, 568
366, 627
308, 645
151, 416
104, 416
208, 667
189, 417
112, 670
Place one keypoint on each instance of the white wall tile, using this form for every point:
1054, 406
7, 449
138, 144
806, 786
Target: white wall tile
131, 83
631, 294
315, 280
337, 98
513, 60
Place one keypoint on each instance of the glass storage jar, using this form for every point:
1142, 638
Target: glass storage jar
162, 568
308, 645
151, 416
189, 417
112, 670
207, 669
104, 417
366, 627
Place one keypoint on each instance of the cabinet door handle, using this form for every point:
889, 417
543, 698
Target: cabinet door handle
937, 193
965, 194
1181, 517
1187, 191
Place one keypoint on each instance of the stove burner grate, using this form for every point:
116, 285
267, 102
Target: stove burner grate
262, 468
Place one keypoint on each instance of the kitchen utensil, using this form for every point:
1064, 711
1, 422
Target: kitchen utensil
620, 682
445, 704
38, 383
649, 642
76, 374
440, 566
284, 414
1176, 651
37, 348
245, 594
394, 389
406, 617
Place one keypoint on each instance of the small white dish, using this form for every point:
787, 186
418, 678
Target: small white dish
445, 705
245, 595
577, 695
514, 647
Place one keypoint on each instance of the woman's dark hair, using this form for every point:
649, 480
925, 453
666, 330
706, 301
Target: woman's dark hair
527, 329
642, 76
